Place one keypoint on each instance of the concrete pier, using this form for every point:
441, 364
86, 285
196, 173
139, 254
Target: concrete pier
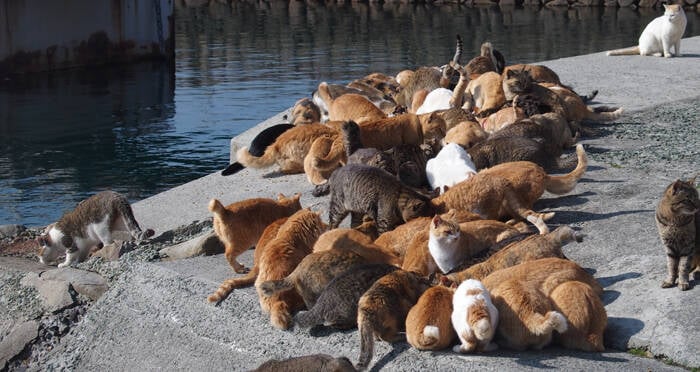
156, 315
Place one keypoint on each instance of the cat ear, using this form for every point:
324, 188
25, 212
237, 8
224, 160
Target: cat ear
691, 181
511, 73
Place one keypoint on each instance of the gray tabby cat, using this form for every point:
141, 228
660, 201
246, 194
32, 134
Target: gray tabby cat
678, 221
89, 225
362, 190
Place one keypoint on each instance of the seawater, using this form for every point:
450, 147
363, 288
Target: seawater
143, 128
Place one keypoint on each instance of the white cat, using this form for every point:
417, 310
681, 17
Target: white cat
660, 34
437, 99
90, 224
474, 317
451, 166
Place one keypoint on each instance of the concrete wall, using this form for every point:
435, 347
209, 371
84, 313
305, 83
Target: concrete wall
40, 35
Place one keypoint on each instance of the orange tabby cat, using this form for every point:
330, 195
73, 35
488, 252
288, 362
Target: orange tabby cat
428, 324
502, 118
349, 106
577, 110
466, 134
240, 224
305, 111
293, 242
352, 240
248, 279
585, 313
485, 95
288, 150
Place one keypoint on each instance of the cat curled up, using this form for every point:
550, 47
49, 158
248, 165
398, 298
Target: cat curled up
678, 221
474, 317
90, 225
660, 34
240, 224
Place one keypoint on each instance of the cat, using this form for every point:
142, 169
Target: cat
248, 279
474, 317
90, 224
485, 62
294, 241
451, 165
660, 35
349, 106
503, 149
316, 169
466, 134
305, 111
531, 248
364, 190
517, 82
578, 110
427, 78
448, 243
336, 306
678, 222
383, 308
288, 150
544, 74
315, 362
502, 118
428, 325
258, 145
437, 99
585, 315
522, 295
485, 95
551, 128
240, 224
357, 241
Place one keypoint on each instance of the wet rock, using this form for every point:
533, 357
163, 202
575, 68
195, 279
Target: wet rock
12, 343
86, 283
10, 231
55, 294
206, 244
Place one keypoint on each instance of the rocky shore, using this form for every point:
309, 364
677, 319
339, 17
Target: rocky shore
143, 307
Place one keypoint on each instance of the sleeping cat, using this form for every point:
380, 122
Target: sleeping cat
248, 279
382, 310
503, 149
364, 190
660, 35
428, 325
474, 317
90, 224
678, 222
336, 306
240, 224
531, 248
451, 166
293, 242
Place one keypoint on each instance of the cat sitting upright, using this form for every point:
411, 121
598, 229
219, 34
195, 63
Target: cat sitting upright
90, 224
660, 35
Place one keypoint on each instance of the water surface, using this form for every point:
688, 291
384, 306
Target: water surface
144, 128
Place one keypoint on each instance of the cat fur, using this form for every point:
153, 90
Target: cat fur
474, 317
240, 224
428, 324
90, 224
258, 145
451, 165
349, 106
305, 363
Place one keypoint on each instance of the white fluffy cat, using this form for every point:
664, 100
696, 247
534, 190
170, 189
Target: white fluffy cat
660, 34
474, 317
451, 166
437, 99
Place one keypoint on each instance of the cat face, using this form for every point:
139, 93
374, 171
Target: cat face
415, 208
517, 82
305, 111
444, 230
684, 197
51, 245
672, 11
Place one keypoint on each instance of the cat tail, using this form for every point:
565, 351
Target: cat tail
127, 214
327, 154
268, 158
565, 183
230, 284
589, 97
232, 169
552, 321
604, 113
624, 52
366, 341
565, 234
270, 287
428, 338
482, 329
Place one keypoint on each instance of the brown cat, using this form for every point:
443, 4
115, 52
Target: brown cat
521, 294
585, 314
678, 222
315, 362
316, 168
382, 310
455, 115
364, 190
517, 82
426, 78
428, 324
531, 248
240, 224
349, 106
356, 241
248, 279
288, 150
550, 128
539, 73
466, 134
485, 95
502, 118
305, 111
578, 110
294, 240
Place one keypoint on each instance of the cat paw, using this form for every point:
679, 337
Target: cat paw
61, 265
684, 286
241, 270
667, 284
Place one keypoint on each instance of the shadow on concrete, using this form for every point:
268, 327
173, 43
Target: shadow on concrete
609, 296
590, 180
620, 330
569, 217
539, 359
397, 349
610, 280
563, 201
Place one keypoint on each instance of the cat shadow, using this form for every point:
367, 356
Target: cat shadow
691, 55
538, 359
620, 330
396, 349
572, 217
590, 180
607, 281
563, 201
324, 331
595, 150
273, 174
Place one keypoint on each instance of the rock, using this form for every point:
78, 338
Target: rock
647, 3
625, 3
86, 283
16, 340
10, 231
206, 244
55, 294
557, 3
22, 264
110, 252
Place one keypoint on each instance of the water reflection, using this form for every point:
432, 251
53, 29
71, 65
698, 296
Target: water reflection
143, 128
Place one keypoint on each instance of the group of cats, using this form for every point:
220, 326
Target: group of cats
428, 165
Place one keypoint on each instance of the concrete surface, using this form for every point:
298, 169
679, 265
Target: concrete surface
156, 316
